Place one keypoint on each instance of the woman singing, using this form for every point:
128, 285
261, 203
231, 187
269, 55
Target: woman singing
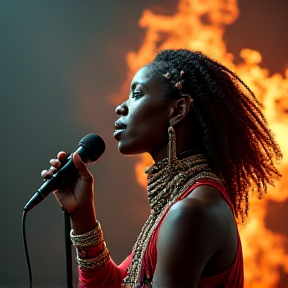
211, 146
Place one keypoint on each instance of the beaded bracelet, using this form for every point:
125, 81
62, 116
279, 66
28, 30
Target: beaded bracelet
91, 238
85, 252
96, 262
91, 250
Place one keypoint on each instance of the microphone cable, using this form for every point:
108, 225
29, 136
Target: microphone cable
68, 249
26, 248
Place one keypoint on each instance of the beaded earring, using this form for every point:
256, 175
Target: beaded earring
172, 153
171, 144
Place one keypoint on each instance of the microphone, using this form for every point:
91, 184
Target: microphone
90, 149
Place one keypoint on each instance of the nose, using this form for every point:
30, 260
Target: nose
121, 109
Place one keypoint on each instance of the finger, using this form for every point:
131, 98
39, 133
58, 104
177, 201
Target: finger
53, 169
82, 168
55, 163
46, 174
61, 155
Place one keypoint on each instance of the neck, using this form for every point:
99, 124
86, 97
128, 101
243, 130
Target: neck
186, 139
181, 153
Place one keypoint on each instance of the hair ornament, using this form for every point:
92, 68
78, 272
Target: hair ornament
178, 85
167, 75
177, 82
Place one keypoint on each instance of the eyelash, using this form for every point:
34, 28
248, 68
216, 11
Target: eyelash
136, 94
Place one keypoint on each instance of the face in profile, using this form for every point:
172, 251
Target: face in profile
143, 118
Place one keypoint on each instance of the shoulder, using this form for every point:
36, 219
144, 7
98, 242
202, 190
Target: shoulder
198, 221
196, 229
188, 238
203, 206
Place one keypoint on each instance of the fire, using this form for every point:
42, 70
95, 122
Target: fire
200, 25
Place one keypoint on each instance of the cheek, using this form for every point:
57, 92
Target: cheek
149, 120
152, 129
146, 130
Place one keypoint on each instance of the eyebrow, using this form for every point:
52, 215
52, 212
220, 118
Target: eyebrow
134, 84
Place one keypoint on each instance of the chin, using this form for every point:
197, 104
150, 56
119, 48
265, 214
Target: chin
128, 149
123, 149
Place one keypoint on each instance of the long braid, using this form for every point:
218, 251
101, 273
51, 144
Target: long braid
232, 128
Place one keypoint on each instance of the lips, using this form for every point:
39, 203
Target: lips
119, 125
119, 128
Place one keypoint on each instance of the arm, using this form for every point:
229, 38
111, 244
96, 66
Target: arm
189, 236
78, 200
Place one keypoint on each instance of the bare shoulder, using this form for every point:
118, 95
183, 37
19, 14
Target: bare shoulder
204, 205
203, 212
193, 231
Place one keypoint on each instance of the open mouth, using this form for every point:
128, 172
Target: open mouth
120, 126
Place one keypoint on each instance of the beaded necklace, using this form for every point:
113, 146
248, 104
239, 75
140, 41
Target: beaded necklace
166, 183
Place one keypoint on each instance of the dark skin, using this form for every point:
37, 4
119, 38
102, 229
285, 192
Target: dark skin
198, 237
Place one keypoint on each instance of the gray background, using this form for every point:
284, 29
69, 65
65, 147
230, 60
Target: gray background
60, 61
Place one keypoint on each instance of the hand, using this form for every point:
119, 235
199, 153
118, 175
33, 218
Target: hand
77, 197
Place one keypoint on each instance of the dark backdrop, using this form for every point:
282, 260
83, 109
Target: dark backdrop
60, 61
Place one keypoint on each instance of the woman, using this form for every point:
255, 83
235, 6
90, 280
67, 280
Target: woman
219, 149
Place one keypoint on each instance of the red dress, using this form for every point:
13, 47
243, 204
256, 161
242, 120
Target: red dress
111, 275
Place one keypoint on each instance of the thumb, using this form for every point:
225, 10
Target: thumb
82, 168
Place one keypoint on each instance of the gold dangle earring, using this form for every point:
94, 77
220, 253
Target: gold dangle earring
171, 144
172, 153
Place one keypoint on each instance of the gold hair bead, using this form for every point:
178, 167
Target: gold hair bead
178, 85
167, 75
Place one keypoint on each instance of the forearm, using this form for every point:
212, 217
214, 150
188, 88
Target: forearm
83, 220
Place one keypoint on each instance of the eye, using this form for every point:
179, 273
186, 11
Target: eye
136, 94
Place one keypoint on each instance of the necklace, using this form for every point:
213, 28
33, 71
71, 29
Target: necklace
166, 183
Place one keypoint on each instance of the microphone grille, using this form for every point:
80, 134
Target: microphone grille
94, 146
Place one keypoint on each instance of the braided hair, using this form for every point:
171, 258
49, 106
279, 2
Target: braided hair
230, 125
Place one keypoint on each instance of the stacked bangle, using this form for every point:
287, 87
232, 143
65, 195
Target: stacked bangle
91, 238
96, 262
90, 248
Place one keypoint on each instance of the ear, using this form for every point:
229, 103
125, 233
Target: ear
179, 111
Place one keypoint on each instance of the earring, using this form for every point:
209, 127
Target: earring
172, 154
171, 144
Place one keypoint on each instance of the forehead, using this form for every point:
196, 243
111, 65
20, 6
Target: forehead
145, 76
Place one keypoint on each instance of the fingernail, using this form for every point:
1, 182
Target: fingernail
53, 161
43, 172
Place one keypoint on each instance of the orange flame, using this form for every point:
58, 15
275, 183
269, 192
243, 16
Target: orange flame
200, 25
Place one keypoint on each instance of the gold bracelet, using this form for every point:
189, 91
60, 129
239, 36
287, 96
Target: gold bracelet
85, 252
96, 262
91, 238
